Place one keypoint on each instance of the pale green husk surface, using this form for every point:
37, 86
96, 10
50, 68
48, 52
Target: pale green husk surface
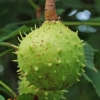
52, 56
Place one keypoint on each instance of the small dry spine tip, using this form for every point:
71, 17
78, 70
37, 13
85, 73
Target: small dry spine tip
15, 60
25, 74
19, 39
79, 74
18, 70
31, 29
14, 52
25, 34
21, 35
77, 80
35, 26
15, 47
20, 73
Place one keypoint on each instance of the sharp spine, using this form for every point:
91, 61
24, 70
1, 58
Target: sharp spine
63, 97
25, 74
31, 29
18, 70
14, 52
20, 73
46, 98
77, 80
40, 77
18, 44
81, 54
79, 74
83, 65
35, 26
21, 35
77, 32
15, 47
46, 93
19, 39
15, 60
84, 44
83, 70
81, 40
25, 34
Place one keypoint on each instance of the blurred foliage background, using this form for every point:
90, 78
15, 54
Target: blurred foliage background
21, 15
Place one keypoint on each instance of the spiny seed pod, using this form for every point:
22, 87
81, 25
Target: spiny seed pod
51, 57
30, 92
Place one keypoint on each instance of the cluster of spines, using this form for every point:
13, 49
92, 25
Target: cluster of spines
41, 94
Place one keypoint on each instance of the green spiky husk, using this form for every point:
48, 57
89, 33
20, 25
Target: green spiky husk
26, 91
51, 57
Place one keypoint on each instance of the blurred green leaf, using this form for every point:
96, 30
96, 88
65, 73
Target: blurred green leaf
16, 32
96, 19
1, 97
89, 56
59, 11
5, 52
94, 78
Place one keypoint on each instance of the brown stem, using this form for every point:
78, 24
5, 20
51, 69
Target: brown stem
50, 10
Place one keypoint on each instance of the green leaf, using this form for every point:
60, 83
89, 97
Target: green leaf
1, 97
96, 19
5, 52
94, 78
89, 56
16, 32
59, 11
